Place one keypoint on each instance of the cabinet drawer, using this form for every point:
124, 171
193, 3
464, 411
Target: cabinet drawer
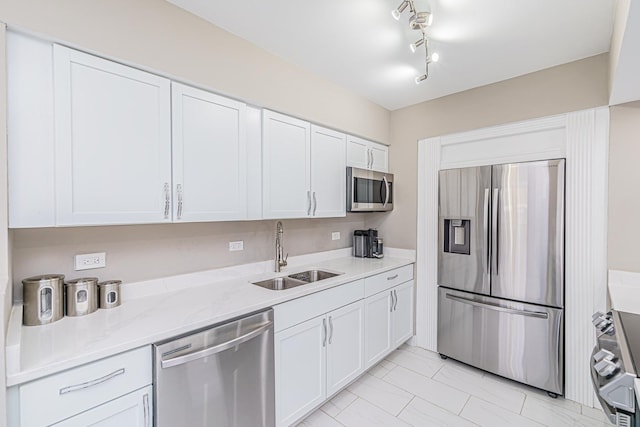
297, 311
59, 396
388, 279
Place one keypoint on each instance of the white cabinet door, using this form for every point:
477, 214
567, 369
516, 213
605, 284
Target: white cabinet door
286, 162
358, 153
209, 156
402, 315
345, 346
377, 327
131, 410
328, 172
300, 369
367, 154
379, 157
113, 142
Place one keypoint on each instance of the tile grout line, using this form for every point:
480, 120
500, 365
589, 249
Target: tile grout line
405, 406
464, 406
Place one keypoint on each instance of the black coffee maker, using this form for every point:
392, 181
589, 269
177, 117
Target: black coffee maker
367, 244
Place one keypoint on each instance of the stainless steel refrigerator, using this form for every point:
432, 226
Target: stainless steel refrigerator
501, 270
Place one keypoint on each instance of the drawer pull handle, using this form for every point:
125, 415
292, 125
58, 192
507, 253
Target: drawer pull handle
392, 277
91, 383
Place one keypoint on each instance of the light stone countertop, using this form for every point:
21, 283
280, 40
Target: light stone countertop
624, 291
160, 309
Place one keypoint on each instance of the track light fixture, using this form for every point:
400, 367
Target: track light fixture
418, 21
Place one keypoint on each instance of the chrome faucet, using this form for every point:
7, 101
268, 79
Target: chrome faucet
280, 260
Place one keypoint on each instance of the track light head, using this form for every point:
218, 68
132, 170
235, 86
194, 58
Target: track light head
420, 79
398, 11
415, 45
435, 57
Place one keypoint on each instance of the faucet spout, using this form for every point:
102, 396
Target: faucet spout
281, 261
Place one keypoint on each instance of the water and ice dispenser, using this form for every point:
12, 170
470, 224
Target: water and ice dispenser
457, 236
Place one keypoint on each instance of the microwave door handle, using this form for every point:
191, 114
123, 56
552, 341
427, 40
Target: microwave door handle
386, 187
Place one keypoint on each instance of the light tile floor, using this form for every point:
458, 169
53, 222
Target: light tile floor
414, 387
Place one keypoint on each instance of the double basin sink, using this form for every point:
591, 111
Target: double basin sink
297, 279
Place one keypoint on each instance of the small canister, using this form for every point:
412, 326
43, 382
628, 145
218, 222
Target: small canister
109, 293
81, 296
43, 299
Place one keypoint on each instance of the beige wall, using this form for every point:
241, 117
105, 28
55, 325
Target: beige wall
570, 87
158, 36
141, 252
624, 197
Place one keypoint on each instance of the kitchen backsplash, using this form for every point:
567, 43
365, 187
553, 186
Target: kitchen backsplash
143, 252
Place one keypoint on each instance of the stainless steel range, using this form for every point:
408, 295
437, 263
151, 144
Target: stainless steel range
613, 366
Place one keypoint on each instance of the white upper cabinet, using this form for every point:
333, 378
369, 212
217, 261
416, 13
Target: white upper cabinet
304, 169
209, 156
112, 142
286, 161
328, 172
365, 154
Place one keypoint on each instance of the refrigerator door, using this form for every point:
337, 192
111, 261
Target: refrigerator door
515, 340
464, 203
527, 241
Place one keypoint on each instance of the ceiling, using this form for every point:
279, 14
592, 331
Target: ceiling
358, 45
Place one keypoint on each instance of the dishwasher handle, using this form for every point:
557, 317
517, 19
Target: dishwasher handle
181, 360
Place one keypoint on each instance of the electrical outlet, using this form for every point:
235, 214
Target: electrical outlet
335, 235
89, 261
236, 246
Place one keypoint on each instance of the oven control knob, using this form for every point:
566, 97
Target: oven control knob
606, 368
603, 355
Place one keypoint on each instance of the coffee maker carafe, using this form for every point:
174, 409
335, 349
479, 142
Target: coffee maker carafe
366, 244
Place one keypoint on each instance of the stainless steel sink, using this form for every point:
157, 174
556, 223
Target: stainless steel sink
280, 283
313, 275
297, 279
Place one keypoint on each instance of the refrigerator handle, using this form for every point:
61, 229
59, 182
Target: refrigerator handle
487, 248
497, 307
494, 228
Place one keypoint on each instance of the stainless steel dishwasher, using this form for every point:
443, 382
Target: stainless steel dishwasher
222, 376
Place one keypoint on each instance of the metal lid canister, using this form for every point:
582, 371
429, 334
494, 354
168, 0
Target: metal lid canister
81, 296
43, 299
109, 293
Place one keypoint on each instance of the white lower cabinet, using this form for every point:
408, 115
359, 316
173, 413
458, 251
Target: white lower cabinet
115, 391
300, 369
388, 321
326, 340
131, 410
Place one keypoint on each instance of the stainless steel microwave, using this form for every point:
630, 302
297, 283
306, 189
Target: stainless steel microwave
369, 191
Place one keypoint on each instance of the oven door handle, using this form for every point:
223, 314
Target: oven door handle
181, 360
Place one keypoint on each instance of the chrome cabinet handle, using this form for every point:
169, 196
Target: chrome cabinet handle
181, 360
392, 277
179, 191
330, 329
91, 383
324, 332
391, 301
315, 203
496, 307
486, 253
308, 203
386, 195
370, 151
494, 238
145, 403
395, 305
167, 200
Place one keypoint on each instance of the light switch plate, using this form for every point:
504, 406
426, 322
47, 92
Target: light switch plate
236, 246
335, 235
89, 261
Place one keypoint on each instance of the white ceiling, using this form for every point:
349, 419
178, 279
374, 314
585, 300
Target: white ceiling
358, 45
